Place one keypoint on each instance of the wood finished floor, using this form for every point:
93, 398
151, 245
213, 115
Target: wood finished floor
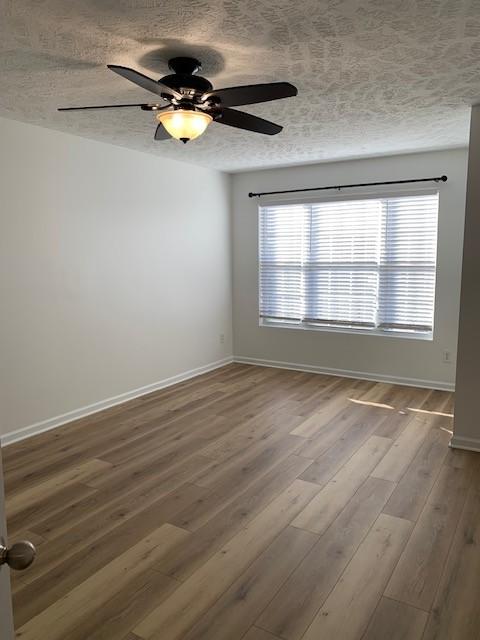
250, 503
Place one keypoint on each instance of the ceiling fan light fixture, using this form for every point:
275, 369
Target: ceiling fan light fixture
183, 124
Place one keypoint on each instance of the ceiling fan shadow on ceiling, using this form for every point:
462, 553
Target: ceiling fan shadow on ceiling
187, 103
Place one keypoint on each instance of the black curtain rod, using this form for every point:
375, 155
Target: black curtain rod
348, 186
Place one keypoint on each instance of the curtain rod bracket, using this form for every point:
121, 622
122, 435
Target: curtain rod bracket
443, 178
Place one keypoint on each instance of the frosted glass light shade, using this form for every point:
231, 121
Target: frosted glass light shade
184, 125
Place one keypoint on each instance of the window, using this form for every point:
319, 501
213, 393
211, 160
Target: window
360, 264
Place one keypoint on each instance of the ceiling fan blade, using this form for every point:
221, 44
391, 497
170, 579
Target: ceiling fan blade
102, 106
242, 120
161, 133
253, 93
144, 81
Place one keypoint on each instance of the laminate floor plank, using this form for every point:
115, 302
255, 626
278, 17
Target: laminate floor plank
420, 567
409, 497
86, 549
403, 406
123, 611
19, 501
377, 394
233, 614
455, 614
65, 576
250, 503
237, 514
404, 449
253, 488
326, 404
48, 505
396, 621
255, 460
347, 610
243, 433
328, 433
327, 464
324, 508
107, 505
437, 401
311, 385
168, 438
292, 610
96, 591
254, 633
173, 618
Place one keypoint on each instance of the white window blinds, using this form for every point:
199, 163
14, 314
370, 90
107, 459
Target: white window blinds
368, 263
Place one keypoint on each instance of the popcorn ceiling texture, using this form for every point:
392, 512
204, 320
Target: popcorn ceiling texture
374, 76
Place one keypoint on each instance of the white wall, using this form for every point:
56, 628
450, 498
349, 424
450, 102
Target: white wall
467, 425
393, 358
115, 271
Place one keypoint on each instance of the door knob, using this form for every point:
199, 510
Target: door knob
19, 556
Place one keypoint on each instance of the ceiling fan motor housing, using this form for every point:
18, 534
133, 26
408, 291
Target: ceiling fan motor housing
183, 78
184, 83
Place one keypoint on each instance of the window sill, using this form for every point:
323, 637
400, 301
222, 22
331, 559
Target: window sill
384, 333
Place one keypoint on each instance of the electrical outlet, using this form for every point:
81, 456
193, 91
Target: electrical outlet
222, 338
447, 356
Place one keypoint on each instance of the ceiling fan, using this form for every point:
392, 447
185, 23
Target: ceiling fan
187, 103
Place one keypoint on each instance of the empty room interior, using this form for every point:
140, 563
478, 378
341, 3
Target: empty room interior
239, 327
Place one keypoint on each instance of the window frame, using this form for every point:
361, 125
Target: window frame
360, 193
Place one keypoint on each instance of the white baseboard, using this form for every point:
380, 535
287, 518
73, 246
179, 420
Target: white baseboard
469, 444
57, 421
347, 373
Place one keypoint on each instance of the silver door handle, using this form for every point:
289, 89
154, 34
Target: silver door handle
19, 556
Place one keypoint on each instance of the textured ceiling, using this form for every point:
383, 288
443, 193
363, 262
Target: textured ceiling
374, 76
